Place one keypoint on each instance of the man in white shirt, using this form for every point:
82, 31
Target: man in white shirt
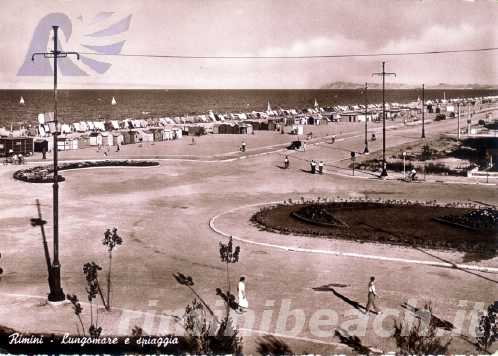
371, 296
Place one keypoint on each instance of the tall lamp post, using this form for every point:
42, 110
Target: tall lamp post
383, 74
366, 119
423, 110
54, 279
458, 121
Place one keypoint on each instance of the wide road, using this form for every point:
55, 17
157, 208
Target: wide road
163, 213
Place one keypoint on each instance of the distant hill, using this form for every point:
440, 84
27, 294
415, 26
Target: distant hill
377, 85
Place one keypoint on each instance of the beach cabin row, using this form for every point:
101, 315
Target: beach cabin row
16, 145
232, 128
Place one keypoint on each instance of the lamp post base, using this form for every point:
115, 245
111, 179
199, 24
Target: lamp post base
56, 296
366, 151
383, 173
56, 293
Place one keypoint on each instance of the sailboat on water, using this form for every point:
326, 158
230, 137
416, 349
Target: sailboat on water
21, 101
268, 107
113, 101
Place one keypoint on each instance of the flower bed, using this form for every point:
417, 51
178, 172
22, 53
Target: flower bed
44, 174
410, 224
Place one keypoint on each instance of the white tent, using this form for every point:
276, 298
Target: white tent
65, 128
41, 118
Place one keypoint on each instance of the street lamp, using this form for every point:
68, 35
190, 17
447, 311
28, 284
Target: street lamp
56, 293
423, 111
404, 165
383, 74
458, 121
366, 119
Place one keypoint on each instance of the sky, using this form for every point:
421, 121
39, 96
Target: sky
246, 28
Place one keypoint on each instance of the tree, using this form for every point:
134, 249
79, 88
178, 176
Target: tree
204, 332
91, 272
77, 308
421, 338
229, 255
93, 288
487, 329
111, 240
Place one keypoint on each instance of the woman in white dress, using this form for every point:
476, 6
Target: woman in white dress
243, 303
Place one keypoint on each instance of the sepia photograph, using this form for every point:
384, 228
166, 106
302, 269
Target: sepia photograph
249, 177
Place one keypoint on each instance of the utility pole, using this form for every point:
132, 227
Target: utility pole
383, 74
56, 293
423, 110
458, 121
366, 119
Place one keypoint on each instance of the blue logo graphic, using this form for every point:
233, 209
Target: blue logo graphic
42, 40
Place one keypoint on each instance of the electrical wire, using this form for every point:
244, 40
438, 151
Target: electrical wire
351, 55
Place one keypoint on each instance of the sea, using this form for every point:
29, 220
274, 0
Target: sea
76, 105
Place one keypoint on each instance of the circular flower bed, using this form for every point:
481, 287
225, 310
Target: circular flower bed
44, 174
400, 223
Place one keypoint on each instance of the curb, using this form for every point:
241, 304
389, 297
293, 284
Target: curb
338, 253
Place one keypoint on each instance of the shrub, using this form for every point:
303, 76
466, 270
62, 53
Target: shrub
420, 339
487, 330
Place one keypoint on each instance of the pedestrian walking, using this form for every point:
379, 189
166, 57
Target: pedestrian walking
372, 294
320, 167
286, 162
243, 302
313, 166
117, 148
243, 146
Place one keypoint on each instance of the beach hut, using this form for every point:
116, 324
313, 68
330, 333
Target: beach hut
216, 128
196, 131
245, 129
107, 139
129, 137
67, 143
177, 133
95, 139
75, 143
117, 138
158, 134
167, 135
147, 136
22, 145
84, 141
